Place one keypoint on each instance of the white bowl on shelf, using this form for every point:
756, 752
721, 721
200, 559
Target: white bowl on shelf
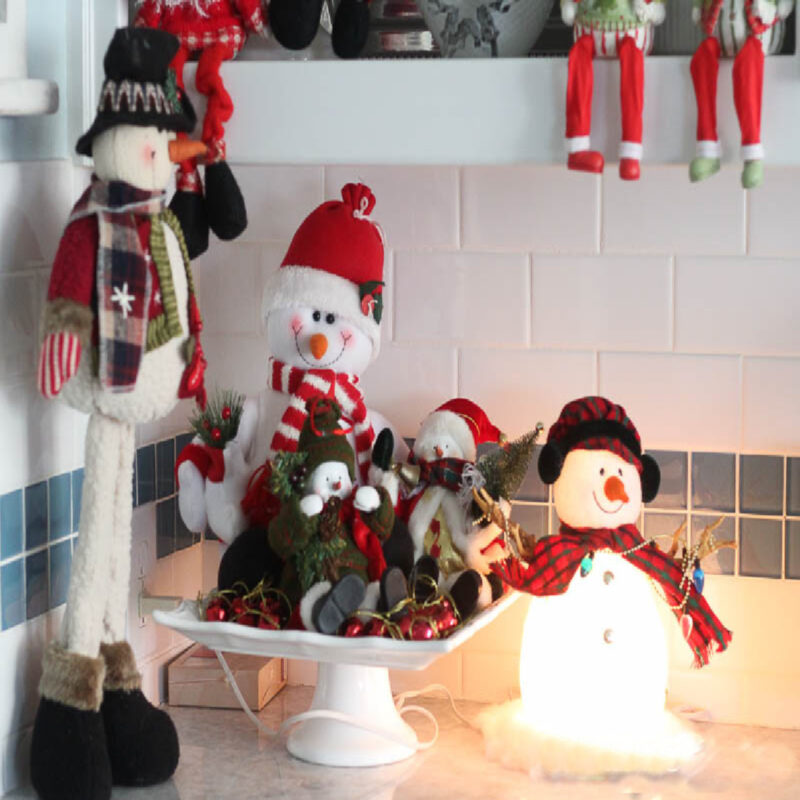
485, 28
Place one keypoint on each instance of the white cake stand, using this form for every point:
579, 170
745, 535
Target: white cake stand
352, 680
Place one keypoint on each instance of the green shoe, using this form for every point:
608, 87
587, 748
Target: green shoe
753, 173
703, 167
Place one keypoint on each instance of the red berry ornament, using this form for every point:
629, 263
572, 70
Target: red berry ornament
216, 434
226, 412
422, 630
353, 627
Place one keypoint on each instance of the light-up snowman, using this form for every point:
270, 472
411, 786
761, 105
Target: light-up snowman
593, 665
322, 311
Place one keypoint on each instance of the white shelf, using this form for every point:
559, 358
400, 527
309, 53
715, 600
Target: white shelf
23, 97
432, 111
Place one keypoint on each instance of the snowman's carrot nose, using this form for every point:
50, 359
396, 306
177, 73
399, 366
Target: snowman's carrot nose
318, 345
184, 149
615, 489
438, 450
337, 486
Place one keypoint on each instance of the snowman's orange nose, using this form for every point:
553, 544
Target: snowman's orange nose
438, 450
615, 489
318, 345
337, 486
184, 149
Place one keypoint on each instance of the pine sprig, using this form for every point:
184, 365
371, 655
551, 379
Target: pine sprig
288, 474
218, 424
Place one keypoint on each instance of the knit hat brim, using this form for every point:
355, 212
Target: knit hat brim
306, 287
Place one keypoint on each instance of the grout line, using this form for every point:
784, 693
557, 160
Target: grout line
672, 304
746, 231
459, 208
783, 520
599, 217
529, 304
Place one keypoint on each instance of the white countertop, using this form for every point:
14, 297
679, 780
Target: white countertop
224, 756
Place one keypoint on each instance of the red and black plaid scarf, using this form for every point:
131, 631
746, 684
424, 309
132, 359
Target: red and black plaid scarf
555, 560
123, 276
445, 472
303, 384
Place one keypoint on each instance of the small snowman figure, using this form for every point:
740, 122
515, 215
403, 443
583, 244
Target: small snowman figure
322, 310
621, 29
328, 534
594, 657
746, 31
121, 342
447, 541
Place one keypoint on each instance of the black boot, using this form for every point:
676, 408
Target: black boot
294, 23
496, 585
190, 209
142, 741
393, 587
227, 215
249, 559
465, 593
424, 578
69, 758
333, 608
350, 28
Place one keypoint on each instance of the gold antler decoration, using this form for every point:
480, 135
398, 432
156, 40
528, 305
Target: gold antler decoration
513, 534
708, 543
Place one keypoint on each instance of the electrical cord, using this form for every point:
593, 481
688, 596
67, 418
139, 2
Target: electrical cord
347, 719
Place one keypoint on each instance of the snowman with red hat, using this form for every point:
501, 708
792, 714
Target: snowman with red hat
449, 546
322, 310
594, 658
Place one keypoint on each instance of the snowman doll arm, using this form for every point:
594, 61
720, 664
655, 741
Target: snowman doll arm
480, 552
651, 12
253, 15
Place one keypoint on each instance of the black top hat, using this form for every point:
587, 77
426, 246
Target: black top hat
140, 89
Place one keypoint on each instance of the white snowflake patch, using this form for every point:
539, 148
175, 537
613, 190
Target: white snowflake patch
124, 299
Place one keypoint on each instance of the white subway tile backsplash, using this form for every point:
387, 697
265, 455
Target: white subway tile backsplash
736, 305
519, 388
236, 362
774, 214
278, 198
665, 213
609, 302
228, 278
406, 383
545, 209
417, 207
675, 399
467, 297
770, 416
19, 324
35, 199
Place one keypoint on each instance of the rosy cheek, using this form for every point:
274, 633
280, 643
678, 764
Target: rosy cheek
296, 325
347, 338
148, 154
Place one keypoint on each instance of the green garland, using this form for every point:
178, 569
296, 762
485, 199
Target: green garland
311, 560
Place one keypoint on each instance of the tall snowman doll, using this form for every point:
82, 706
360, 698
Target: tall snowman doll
322, 311
746, 31
621, 29
593, 668
121, 343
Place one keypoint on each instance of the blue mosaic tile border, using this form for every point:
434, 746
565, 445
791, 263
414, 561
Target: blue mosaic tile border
39, 530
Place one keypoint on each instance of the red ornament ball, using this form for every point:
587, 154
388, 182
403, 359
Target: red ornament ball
206, 424
353, 627
216, 612
422, 630
226, 412
216, 434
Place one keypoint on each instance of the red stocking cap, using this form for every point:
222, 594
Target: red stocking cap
335, 263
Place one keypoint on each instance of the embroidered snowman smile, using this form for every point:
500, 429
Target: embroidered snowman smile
614, 490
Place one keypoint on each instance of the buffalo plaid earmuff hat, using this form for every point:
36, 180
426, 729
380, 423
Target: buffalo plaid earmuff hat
595, 423
140, 88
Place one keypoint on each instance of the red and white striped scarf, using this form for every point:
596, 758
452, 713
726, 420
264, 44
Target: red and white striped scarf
303, 384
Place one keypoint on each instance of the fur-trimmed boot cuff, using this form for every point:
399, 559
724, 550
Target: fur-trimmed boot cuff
72, 679
121, 672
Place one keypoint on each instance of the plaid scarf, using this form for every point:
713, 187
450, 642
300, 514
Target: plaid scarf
555, 559
445, 472
123, 277
305, 384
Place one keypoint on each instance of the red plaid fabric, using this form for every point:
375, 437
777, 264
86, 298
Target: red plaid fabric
305, 384
445, 472
556, 559
123, 276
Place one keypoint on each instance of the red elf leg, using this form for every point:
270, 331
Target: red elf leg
220, 106
187, 178
748, 88
705, 69
631, 71
580, 85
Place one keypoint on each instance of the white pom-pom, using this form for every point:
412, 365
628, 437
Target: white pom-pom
568, 12
765, 10
652, 13
311, 505
367, 499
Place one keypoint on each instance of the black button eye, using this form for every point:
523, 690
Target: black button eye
316, 316
330, 319
620, 472
602, 470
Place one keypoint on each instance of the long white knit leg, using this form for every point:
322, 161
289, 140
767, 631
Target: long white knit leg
83, 620
114, 621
